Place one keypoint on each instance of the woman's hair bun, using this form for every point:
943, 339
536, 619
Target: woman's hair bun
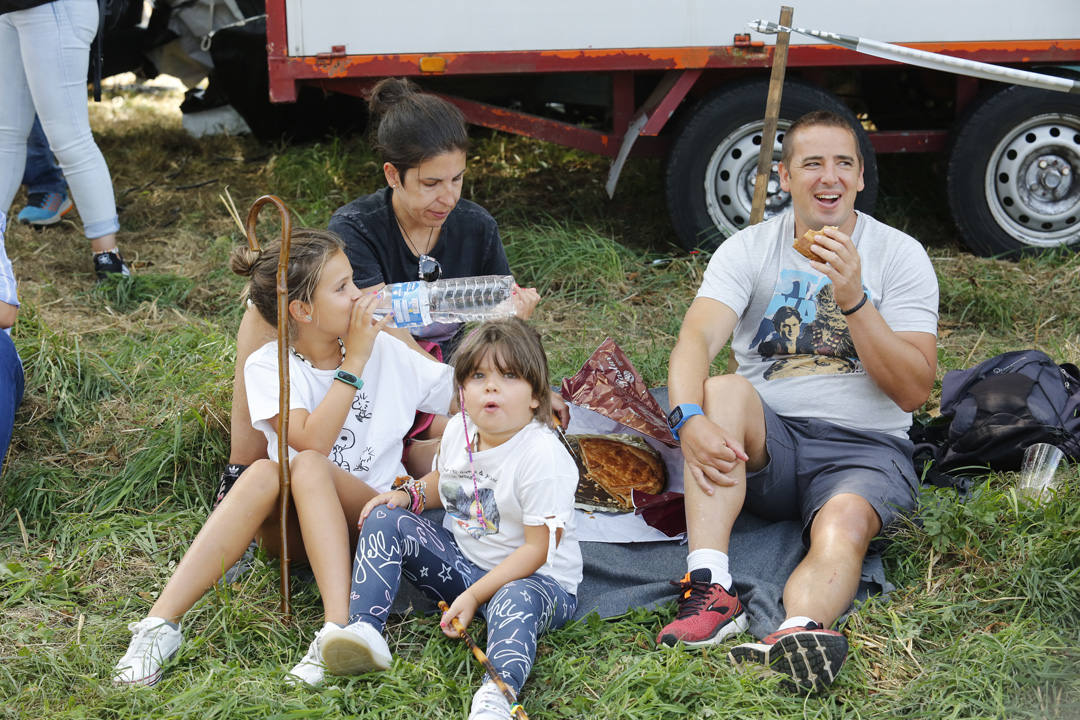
242, 261
389, 92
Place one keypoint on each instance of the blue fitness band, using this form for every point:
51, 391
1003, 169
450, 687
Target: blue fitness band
678, 417
349, 379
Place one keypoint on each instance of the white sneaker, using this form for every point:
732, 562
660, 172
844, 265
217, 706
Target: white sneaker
489, 704
153, 642
310, 670
354, 649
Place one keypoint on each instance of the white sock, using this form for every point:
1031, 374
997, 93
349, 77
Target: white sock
797, 621
714, 561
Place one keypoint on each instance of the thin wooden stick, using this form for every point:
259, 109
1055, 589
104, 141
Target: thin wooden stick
772, 115
284, 482
516, 710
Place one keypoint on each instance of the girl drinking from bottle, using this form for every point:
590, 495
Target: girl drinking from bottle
416, 227
353, 393
506, 547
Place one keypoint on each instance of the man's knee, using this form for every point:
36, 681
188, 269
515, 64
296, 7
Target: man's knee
845, 520
727, 393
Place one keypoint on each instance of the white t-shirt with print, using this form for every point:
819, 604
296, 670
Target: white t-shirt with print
398, 381
520, 482
792, 343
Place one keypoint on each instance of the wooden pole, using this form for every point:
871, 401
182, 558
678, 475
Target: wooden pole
772, 115
282, 287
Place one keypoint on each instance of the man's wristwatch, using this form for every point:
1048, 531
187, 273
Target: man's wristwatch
678, 417
349, 379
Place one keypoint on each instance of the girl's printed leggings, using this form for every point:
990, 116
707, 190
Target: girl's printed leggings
395, 541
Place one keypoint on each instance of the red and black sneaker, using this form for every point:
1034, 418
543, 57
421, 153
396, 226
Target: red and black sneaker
811, 656
707, 613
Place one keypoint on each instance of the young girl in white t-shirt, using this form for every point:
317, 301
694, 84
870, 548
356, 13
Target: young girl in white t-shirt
353, 393
506, 547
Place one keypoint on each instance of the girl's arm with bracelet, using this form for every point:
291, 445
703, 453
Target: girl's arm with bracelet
521, 563
405, 499
319, 429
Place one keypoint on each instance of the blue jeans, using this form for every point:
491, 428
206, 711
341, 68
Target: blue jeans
42, 174
11, 391
44, 55
395, 542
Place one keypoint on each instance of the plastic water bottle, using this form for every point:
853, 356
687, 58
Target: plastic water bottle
450, 300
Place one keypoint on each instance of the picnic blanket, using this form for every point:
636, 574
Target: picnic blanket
628, 564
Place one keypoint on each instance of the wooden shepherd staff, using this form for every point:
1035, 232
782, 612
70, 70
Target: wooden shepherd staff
772, 115
284, 484
516, 710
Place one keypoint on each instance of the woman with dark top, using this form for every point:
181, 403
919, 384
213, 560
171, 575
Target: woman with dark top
416, 228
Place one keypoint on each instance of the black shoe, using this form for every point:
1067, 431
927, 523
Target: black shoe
229, 477
110, 263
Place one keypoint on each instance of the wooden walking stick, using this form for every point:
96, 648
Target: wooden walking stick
284, 484
516, 710
772, 116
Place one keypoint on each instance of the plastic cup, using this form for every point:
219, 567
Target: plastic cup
1041, 461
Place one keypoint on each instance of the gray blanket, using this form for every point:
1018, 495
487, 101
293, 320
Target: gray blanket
619, 577
622, 576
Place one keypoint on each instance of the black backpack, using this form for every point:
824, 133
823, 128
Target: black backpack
990, 413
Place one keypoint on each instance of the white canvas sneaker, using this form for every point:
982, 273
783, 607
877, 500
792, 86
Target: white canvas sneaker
489, 704
354, 649
153, 642
311, 670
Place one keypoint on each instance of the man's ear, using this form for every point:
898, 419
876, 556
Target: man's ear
785, 176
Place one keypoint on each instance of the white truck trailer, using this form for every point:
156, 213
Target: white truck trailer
686, 80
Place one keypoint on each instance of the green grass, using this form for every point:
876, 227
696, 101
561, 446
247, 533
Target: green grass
125, 426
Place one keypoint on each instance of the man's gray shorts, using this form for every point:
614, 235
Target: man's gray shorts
810, 461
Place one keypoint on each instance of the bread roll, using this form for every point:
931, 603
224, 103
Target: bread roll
804, 242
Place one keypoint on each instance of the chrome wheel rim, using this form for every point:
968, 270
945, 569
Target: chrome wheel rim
1031, 184
731, 173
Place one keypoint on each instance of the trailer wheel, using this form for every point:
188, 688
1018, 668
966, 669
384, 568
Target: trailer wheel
712, 164
1011, 178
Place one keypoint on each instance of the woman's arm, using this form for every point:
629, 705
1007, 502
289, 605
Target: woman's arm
521, 563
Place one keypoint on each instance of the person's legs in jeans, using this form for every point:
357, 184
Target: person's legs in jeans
16, 111
47, 196
42, 173
11, 391
54, 50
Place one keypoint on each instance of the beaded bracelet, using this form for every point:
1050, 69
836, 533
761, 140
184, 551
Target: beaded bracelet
416, 490
419, 492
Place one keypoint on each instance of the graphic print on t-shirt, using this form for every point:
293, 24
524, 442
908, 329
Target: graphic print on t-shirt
346, 457
461, 505
803, 329
361, 407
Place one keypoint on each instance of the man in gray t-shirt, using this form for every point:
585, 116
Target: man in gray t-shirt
834, 353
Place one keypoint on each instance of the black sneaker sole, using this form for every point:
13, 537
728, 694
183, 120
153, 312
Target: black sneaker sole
807, 660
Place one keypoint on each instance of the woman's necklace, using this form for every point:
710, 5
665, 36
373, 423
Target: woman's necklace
408, 240
341, 345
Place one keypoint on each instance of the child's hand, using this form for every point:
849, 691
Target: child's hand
463, 608
391, 499
360, 337
525, 301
